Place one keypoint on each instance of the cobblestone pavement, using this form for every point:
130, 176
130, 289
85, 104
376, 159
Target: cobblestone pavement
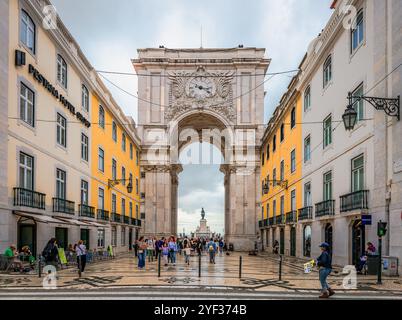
259, 275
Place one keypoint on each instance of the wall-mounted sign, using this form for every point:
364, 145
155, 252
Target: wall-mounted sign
53, 91
366, 220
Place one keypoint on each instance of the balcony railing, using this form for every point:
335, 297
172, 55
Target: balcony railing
265, 222
63, 206
139, 223
86, 211
28, 198
102, 215
325, 208
280, 219
126, 220
261, 224
115, 217
354, 201
291, 217
271, 221
305, 213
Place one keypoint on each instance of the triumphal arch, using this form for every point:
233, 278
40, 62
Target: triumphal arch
201, 95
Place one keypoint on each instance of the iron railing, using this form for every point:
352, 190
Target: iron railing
280, 219
354, 201
115, 217
29, 198
325, 208
260, 224
126, 220
305, 213
63, 206
271, 221
102, 215
291, 217
86, 211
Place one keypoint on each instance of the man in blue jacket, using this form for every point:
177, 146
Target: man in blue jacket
212, 250
324, 262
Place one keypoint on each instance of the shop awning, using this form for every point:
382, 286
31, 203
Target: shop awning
39, 217
96, 224
75, 222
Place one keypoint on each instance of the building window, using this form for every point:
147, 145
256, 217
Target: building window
60, 184
123, 142
114, 203
85, 98
293, 200
274, 144
268, 184
328, 186
357, 35
114, 236
123, 207
61, 71
84, 147
327, 131
84, 192
130, 208
136, 211
282, 205
307, 98
101, 160
136, 186
27, 105
101, 238
263, 158
114, 169
101, 199
61, 130
114, 131
123, 236
274, 177
307, 149
28, 32
274, 208
282, 136
137, 157
307, 241
327, 71
268, 151
307, 195
131, 151
267, 210
293, 118
358, 173
26, 169
101, 117
123, 176
282, 172
358, 105
293, 161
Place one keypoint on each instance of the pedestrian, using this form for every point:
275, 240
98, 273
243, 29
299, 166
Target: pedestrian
135, 246
142, 247
12, 254
81, 252
150, 249
212, 250
165, 253
275, 247
187, 252
221, 246
172, 249
51, 253
325, 268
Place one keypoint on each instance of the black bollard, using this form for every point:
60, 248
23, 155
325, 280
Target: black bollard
79, 266
240, 266
199, 266
280, 268
39, 267
159, 265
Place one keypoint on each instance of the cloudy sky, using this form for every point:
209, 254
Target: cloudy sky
110, 32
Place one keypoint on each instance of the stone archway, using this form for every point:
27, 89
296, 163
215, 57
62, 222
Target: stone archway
192, 95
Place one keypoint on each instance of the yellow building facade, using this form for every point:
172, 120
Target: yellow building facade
281, 173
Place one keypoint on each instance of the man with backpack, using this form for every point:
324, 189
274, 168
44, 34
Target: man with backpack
51, 252
212, 248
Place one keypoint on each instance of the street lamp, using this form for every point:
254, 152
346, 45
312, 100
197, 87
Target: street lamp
111, 183
390, 106
265, 189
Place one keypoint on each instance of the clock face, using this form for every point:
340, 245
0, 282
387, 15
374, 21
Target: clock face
201, 88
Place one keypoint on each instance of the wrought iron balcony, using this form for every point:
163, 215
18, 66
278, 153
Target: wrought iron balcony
139, 223
271, 221
102, 215
86, 211
63, 206
266, 222
305, 213
260, 224
280, 219
291, 217
28, 198
126, 220
115, 217
325, 208
354, 201
133, 222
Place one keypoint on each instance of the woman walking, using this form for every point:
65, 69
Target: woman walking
172, 249
187, 251
81, 252
325, 268
165, 253
142, 247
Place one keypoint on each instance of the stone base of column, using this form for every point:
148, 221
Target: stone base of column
241, 242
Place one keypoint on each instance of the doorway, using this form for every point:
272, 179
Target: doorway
85, 237
61, 235
358, 241
293, 242
282, 241
130, 239
329, 236
27, 237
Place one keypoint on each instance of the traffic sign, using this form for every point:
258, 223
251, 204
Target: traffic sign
366, 220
